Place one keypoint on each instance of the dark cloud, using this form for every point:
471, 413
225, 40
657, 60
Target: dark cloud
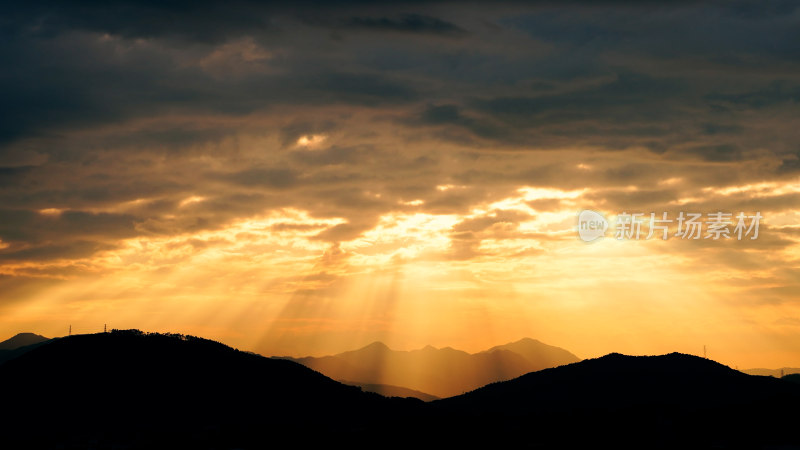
13, 175
72, 250
790, 164
79, 81
776, 92
628, 97
405, 23
718, 129
718, 152
33, 227
202, 21
437, 115
116, 113
334, 155
276, 178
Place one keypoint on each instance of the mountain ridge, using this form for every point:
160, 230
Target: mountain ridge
173, 385
641, 401
22, 340
388, 390
441, 372
135, 390
20, 344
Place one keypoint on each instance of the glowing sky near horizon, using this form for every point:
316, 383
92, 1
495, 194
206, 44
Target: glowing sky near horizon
302, 182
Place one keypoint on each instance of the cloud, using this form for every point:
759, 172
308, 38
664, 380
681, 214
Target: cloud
459, 144
72, 250
21, 225
405, 23
775, 92
331, 156
278, 178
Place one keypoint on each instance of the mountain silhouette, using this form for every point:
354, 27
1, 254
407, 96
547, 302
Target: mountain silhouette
21, 340
154, 390
642, 401
388, 390
20, 344
793, 377
128, 389
540, 355
441, 372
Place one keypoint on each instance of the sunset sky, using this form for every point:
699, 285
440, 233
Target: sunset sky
308, 179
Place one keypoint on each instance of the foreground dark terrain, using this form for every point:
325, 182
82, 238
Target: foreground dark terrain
169, 390
127, 389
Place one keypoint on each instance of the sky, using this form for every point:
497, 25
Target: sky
307, 179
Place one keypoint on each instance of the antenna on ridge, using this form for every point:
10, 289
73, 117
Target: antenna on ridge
70, 331
105, 328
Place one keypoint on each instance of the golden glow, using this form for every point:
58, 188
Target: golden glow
190, 200
304, 184
447, 187
51, 211
311, 140
498, 273
757, 190
671, 181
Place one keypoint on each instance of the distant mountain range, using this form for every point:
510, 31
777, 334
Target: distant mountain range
128, 389
440, 372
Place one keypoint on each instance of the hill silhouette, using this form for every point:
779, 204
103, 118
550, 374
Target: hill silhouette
129, 389
20, 344
657, 401
21, 340
540, 355
387, 390
794, 377
154, 390
440, 372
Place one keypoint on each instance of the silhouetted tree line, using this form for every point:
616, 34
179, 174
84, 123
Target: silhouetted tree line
182, 337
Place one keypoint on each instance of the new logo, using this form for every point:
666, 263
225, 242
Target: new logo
591, 225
